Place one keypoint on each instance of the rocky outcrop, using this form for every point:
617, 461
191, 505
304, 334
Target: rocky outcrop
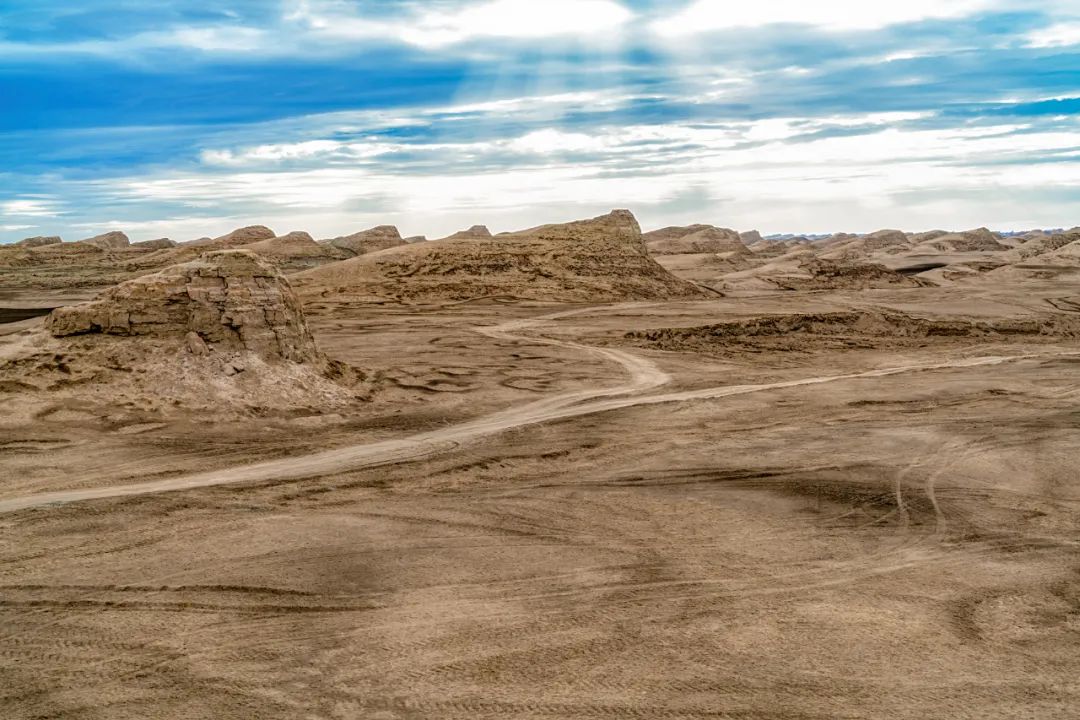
980, 240
592, 260
839, 275
750, 237
473, 233
366, 241
39, 241
416, 239
241, 236
693, 240
114, 240
160, 244
884, 239
230, 299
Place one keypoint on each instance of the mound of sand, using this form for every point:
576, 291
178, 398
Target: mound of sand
851, 330
692, 240
598, 260
225, 332
114, 240
378, 238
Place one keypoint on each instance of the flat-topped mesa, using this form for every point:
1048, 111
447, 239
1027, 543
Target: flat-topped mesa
597, 260
750, 237
227, 300
114, 240
375, 239
39, 241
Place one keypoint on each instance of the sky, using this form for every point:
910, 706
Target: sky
184, 119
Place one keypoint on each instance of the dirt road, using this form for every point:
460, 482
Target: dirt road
643, 375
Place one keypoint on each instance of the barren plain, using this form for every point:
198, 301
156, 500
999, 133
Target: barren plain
798, 481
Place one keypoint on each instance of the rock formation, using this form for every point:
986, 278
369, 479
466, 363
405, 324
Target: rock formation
238, 237
473, 233
366, 241
231, 299
693, 239
160, 244
980, 240
750, 237
39, 241
114, 240
589, 261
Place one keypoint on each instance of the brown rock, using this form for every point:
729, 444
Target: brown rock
694, 239
196, 345
161, 244
591, 260
39, 241
114, 240
367, 241
474, 233
231, 299
241, 236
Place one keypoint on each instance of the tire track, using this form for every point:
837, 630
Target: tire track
643, 374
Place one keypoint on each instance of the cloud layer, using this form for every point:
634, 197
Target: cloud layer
330, 115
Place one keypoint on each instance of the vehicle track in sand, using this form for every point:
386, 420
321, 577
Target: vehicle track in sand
644, 376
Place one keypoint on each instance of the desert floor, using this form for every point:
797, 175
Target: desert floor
871, 529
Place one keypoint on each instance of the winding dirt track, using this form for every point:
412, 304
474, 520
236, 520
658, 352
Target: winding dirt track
644, 375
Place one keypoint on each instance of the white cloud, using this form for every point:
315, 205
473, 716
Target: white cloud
14, 228
512, 19
821, 182
709, 15
542, 142
29, 208
282, 152
1059, 35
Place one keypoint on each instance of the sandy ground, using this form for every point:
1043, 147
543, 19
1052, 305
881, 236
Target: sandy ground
897, 539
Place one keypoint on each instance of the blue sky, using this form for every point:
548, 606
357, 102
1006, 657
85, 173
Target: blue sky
185, 118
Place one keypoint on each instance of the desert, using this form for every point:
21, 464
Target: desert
539, 360
484, 477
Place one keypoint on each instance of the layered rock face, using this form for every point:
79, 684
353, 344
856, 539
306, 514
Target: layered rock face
367, 241
230, 299
602, 259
